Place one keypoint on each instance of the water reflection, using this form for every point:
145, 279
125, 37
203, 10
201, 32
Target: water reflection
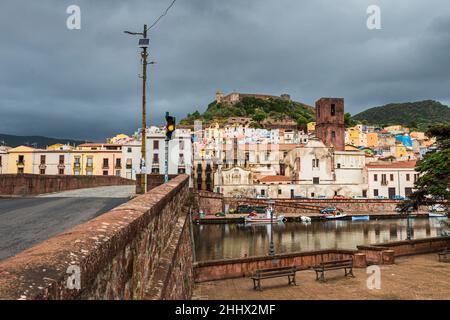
220, 241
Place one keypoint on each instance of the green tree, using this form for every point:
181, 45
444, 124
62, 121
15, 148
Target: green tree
348, 120
259, 116
302, 121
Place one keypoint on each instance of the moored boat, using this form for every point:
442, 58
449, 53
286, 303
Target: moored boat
437, 215
264, 218
337, 215
360, 218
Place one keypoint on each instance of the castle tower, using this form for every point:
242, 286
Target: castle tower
219, 96
330, 126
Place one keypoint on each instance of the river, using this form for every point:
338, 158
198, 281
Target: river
223, 241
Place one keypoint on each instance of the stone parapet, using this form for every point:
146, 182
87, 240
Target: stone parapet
138, 250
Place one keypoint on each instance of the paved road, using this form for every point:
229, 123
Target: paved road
25, 222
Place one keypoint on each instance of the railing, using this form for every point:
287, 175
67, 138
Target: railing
20, 162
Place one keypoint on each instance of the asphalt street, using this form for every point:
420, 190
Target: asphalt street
25, 222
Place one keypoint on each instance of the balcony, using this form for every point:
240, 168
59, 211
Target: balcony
77, 165
42, 166
61, 166
20, 163
105, 166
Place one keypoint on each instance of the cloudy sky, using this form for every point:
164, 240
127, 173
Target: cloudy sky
84, 83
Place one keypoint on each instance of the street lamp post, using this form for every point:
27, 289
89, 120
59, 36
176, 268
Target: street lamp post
143, 44
271, 205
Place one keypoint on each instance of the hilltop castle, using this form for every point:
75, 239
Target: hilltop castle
235, 97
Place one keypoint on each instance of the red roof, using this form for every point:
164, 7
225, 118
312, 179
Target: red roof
393, 165
274, 179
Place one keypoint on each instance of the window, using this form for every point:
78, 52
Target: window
375, 177
105, 163
129, 150
155, 158
391, 177
118, 163
89, 172
279, 191
155, 170
312, 194
263, 192
181, 145
89, 162
408, 178
333, 135
181, 159
383, 179
117, 173
61, 171
42, 171
181, 170
105, 172
315, 163
77, 172
333, 109
43, 159
156, 145
338, 165
61, 159
375, 192
129, 163
364, 193
0, 161
316, 180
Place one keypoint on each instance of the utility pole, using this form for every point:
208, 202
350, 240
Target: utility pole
144, 116
143, 44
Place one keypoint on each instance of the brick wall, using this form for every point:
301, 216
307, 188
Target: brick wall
32, 184
244, 267
139, 250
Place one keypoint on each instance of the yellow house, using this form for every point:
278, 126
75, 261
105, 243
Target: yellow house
311, 126
353, 136
400, 150
372, 139
20, 160
97, 159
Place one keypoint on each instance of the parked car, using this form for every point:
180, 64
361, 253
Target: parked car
339, 196
321, 197
260, 196
380, 198
398, 198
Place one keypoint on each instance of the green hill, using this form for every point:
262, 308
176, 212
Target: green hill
418, 115
35, 141
257, 109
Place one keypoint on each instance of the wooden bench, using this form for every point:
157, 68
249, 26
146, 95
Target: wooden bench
274, 273
347, 265
443, 256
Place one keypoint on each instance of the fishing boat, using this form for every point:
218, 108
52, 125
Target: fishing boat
264, 218
360, 218
335, 215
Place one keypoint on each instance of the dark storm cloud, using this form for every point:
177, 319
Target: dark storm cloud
84, 83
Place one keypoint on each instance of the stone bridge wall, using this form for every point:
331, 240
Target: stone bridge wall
347, 205
139, 250
33, 184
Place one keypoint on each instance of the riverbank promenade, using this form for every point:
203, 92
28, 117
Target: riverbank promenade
414, 277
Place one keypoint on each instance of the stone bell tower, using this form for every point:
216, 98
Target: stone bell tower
330, 126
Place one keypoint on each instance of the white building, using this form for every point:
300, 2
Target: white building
180, 153
52, 162
131, 157
391, 179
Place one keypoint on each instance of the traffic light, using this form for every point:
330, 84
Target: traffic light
170, 126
